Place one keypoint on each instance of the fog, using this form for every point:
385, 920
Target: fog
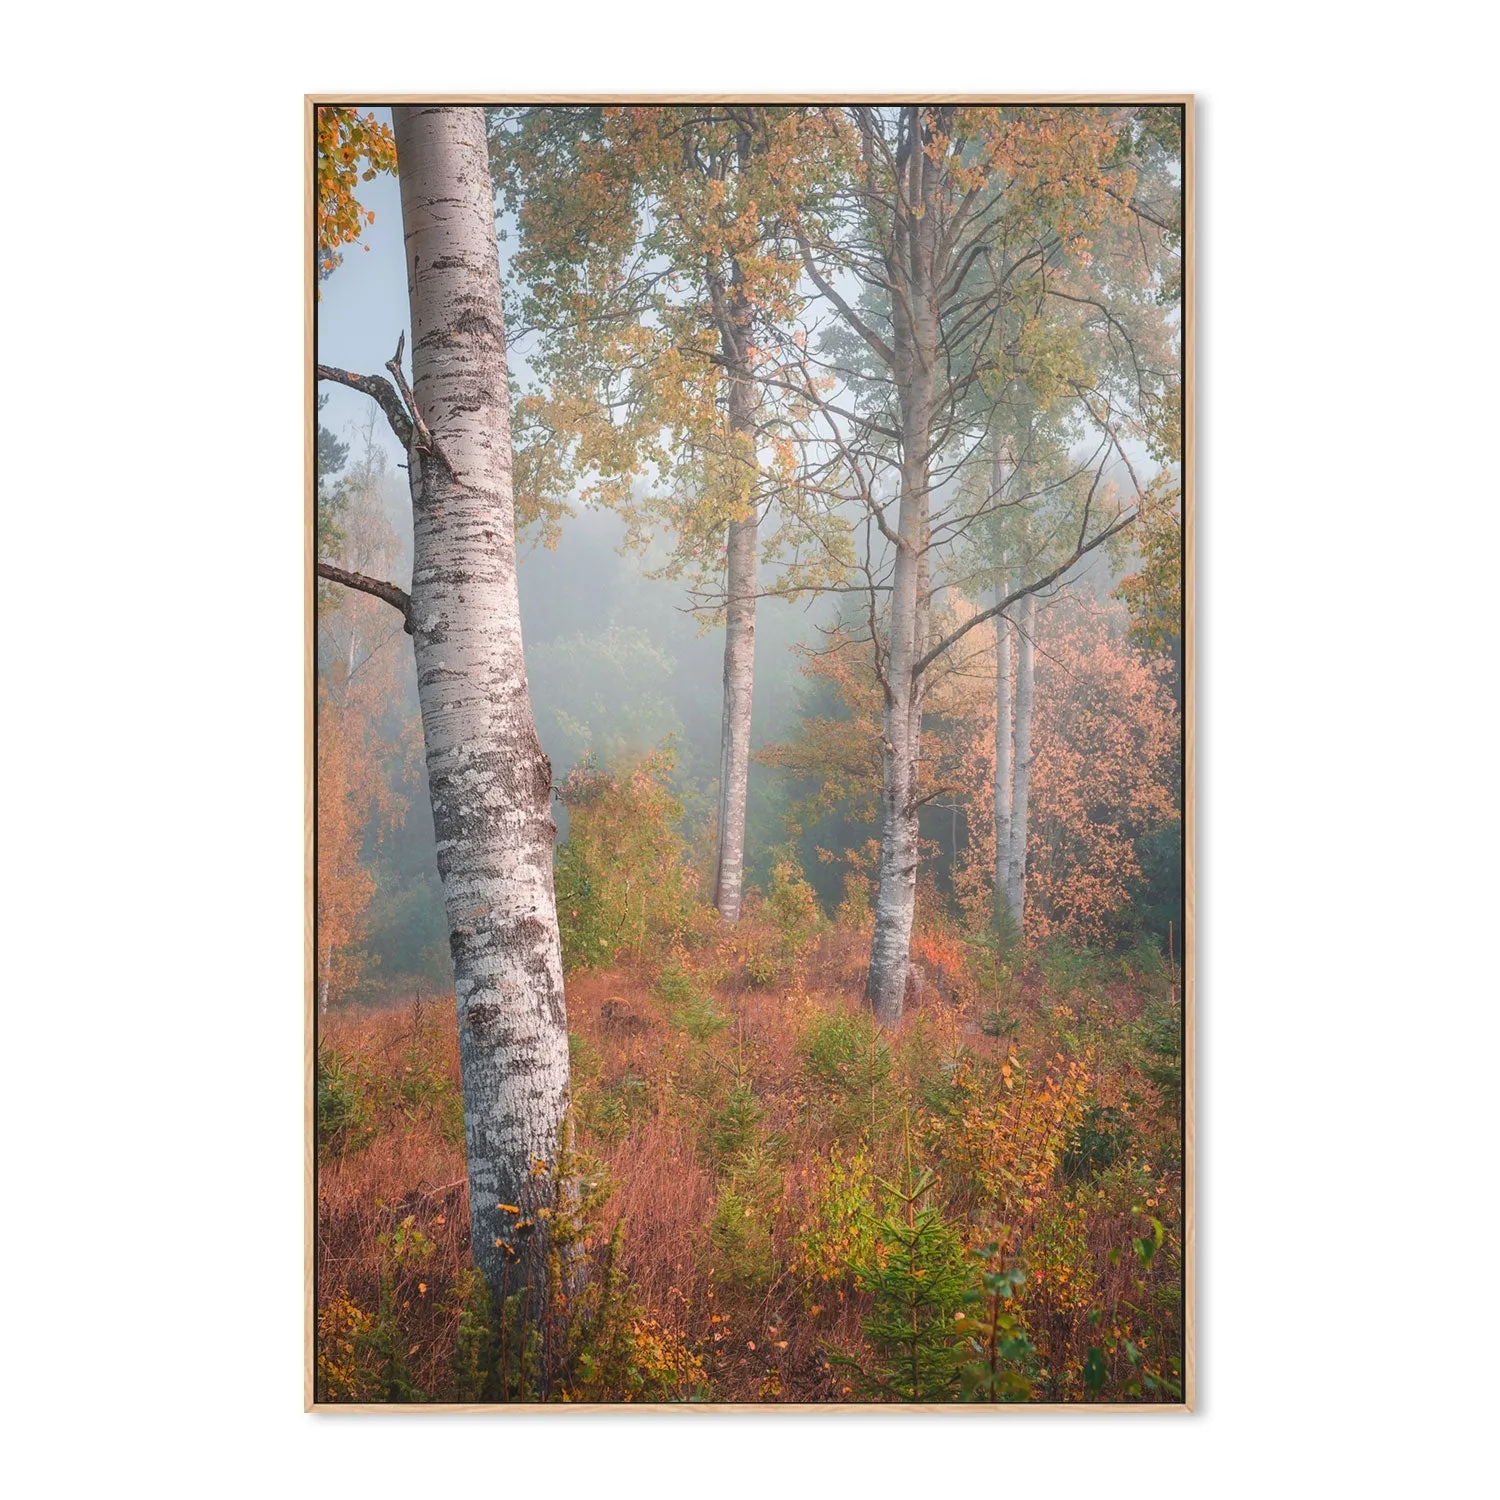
618, 662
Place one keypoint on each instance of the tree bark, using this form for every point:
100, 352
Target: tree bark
739, 672
915, 343
1025, 696
491, 785
1003, 785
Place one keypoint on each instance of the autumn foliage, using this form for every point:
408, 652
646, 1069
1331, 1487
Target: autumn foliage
740, 1135
760, 1193
1105, 767
1104, 774
351, 148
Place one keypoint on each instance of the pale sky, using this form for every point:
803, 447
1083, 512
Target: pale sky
364, 309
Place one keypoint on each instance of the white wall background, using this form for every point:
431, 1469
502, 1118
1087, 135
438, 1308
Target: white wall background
153, 513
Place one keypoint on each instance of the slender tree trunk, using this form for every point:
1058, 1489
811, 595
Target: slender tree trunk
327, 977
491, 785
1003, 788
739, 672
895, 900
1025, 695
915, 331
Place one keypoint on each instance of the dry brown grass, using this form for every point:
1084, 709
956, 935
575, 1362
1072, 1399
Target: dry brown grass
766, 1343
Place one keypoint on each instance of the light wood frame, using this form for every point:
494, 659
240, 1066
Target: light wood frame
1189, 644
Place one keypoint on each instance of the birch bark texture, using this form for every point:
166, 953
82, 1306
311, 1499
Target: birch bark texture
915, 345
739, 662
1025, 698
1003, 785
490, 783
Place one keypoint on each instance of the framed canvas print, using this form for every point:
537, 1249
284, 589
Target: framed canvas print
749, 687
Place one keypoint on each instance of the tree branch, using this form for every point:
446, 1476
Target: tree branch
1140, 210
379, 390
1079, 552
425, 439
857, 323
922, 801
398, 599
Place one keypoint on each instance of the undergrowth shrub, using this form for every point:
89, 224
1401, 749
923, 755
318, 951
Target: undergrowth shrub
345, 1116
856, 912
1068, 969
358, 1096
1060, 1262
1159, 1042
748, 1167
733, 1125
625, 1355
343, 1331
743, 1254
792, 907
741, 1234
692, 1007
847, 1061
1004, 1131
614, 1109
995, 958
624, 885
1128, 1363
837, 1231
1101, 1137
1003, 1364
468, 1303
778, 928
407, 1249
918, 1279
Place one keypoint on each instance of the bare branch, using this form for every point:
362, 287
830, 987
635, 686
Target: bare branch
857, 323
379, 390
936, 792
398, 599
1079, 552
1140, 210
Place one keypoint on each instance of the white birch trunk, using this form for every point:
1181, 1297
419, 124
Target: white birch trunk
915, 331
895, 901
1025, 696
739, 681
1003, 786
491, 785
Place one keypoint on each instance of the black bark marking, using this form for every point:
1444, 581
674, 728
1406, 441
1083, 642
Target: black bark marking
543, 769
483, 1013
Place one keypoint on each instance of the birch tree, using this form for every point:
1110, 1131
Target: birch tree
655, 260
1015, 882
1004, 787
945, 215
490, 783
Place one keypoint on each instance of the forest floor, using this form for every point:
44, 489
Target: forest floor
747, 1139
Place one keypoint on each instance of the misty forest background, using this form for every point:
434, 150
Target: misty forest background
620, 666
783, 1198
